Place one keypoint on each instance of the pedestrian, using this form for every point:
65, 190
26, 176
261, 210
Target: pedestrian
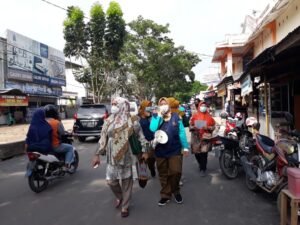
115, 133
196, 104
39, 134
227, 106
144, 120
169, 155
201, 125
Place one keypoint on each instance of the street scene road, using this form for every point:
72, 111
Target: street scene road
84, 198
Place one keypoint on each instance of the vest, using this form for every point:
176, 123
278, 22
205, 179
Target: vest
55, 138
173, 146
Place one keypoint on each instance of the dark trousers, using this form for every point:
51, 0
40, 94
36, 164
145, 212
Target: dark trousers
169, 170
202, 160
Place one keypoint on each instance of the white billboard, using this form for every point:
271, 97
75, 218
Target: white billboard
32, 62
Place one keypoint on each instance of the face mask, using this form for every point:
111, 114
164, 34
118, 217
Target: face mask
203, 109
164, 108
114, 109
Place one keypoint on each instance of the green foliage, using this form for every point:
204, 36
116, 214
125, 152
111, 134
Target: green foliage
75, 33
99, 42
160, 67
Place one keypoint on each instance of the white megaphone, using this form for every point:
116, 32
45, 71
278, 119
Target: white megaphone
160, 137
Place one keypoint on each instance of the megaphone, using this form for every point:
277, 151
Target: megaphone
160, 137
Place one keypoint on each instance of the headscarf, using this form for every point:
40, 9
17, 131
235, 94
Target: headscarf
123, 128
144, 104
39, 130
167, 116
200, 104
122, 116
174, 106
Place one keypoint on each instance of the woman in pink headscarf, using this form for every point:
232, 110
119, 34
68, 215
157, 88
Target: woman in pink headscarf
116, 130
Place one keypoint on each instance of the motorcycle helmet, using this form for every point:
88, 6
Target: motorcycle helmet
252, 122
51, 111
223, 115
238, 115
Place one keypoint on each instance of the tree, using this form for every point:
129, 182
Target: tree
99, 42
159, 67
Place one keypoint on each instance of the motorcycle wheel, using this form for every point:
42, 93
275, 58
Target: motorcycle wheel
81, 139
229, 168
75, 162
37, 182
251, 185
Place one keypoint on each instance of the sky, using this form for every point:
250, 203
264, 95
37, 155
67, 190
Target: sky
195, 24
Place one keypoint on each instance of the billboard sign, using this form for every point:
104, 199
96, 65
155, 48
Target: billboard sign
34, 63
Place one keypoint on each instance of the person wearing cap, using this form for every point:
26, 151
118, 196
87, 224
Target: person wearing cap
201, 124
144, 120
169, 155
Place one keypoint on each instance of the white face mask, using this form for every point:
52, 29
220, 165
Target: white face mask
114, 109
203, 109
164, 108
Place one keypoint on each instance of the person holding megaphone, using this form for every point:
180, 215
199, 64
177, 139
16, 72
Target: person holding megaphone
169, 150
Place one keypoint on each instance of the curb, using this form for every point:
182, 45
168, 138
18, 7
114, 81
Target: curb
9, 150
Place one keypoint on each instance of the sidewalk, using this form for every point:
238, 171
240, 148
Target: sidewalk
18, 132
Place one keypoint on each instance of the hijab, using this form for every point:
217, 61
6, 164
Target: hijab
144, 104
39, 130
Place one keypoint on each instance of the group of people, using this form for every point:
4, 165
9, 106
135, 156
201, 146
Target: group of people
167, 117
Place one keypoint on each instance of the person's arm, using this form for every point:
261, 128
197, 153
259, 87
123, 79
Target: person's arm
155, 123
182, 136
60, 130
139, 131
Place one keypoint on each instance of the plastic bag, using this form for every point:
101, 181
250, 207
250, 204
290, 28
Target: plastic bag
142, 170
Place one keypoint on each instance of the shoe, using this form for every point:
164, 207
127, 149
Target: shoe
180, 183
125, 213
118, 203
178, 198
203, 173
163, 201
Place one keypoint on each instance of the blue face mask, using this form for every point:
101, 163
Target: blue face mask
203, 109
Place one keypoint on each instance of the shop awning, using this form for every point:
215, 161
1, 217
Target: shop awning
13, 97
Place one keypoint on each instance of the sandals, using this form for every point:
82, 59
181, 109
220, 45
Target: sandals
125, 213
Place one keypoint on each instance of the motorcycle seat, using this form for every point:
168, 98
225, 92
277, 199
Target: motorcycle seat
265, 142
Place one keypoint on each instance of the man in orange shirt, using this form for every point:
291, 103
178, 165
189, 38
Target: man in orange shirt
58, 131
201, 124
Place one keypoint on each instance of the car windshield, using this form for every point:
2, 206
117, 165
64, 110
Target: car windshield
91, 110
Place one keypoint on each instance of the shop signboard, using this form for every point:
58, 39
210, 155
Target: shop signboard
13, 100
246, 87
33, 63
209, 94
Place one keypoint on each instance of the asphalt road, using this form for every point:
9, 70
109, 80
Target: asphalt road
84, 198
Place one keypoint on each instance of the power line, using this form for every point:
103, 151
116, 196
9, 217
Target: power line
60, 7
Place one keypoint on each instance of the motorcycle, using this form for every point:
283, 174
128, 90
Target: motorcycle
43, 168
267, 169
229, 150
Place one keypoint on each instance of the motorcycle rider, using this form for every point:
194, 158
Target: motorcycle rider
205, 118
58, 131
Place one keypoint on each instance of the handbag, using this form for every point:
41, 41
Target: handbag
135, 144
142, 170
205, 145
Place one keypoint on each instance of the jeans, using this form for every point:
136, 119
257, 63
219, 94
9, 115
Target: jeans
68, 150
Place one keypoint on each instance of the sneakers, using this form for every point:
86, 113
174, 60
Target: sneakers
163, 201
178, 198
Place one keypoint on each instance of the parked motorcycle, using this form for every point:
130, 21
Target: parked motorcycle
267, 168
43, 168
229, 151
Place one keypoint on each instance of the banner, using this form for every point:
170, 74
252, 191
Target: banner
12, 100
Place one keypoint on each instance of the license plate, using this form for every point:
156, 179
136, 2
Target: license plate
89, 123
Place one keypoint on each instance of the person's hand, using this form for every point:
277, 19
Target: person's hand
185, 152
145, 156
96, 161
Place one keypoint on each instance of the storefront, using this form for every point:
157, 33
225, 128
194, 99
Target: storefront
13, 104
